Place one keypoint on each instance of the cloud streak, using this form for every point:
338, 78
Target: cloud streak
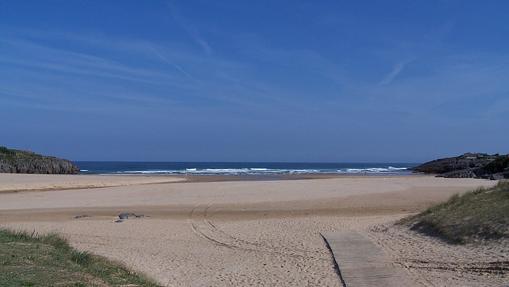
190, 29
394, 73
113, 75
167, 61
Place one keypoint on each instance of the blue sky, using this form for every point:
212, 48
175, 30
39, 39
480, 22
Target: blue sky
254, 80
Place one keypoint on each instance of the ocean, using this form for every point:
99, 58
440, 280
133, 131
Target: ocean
240, 168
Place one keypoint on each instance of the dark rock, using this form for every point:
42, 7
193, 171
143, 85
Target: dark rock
463, 162
497, 176
126, 215
469, 165
81, 216
499, 165
16, 161
462, 173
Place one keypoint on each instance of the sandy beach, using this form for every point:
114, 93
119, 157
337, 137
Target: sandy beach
246, 233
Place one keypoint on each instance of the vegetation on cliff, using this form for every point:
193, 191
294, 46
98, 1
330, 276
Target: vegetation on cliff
482, 214
17, 161
476, 165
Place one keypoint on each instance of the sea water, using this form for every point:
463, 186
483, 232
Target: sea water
241, 168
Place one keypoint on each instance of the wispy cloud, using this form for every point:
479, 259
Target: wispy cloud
394, 73
299, 59
131, 71
190, 29
176, 66
31, 54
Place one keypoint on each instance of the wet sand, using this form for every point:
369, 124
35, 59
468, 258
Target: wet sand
251, 233
43, 182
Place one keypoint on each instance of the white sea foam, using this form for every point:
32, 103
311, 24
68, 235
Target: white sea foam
373, 170
149, 171
266, 171
397, 168
306, 171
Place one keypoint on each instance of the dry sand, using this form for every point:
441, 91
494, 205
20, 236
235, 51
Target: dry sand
252, 233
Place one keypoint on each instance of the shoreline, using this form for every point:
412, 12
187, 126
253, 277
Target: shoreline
91, 181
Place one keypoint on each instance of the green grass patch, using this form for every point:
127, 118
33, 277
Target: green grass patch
6, 151
482, 214
13, 155
32, 260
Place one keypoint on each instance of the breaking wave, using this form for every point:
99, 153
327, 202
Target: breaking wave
267, 171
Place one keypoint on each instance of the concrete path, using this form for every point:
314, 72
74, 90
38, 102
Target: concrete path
361, 263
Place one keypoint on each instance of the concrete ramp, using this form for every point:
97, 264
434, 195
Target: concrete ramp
361, 263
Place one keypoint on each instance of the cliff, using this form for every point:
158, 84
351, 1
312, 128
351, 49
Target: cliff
474, 165
16, 161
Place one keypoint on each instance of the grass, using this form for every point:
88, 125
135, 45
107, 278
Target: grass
32, 260
14, 152
11, 155
482, 214
6, 151
7, 154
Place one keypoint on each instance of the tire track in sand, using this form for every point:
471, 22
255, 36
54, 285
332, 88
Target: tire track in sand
202, 226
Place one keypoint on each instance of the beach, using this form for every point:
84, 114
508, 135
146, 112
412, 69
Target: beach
222, 232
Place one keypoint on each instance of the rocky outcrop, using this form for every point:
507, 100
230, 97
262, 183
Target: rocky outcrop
469, 165
16, 161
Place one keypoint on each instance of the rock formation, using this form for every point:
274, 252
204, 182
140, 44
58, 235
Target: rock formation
16, 161
471, 165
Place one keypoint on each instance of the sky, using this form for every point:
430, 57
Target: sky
319, 81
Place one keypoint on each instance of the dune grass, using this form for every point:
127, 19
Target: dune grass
482, 214
32, 260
